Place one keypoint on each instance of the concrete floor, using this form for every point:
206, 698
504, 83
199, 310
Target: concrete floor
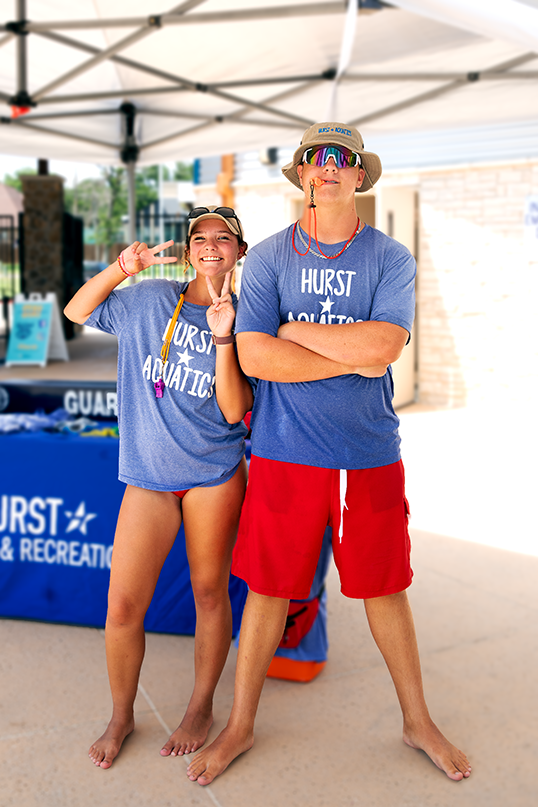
93, 356
335, 741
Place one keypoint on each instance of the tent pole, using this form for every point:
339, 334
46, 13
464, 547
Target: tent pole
130, 168
129, 155
131, 197
21, 50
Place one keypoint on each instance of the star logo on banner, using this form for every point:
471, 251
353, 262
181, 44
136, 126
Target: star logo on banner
184, 358
79, 519
326, 306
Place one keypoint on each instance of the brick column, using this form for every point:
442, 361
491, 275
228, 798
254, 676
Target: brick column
43, 232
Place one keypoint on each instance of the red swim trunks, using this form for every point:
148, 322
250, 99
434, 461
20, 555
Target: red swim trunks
286, 510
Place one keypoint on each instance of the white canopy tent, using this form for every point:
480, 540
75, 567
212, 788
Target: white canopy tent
422, 79
106, 81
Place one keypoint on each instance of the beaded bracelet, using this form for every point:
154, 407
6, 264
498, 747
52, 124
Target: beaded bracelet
121, 263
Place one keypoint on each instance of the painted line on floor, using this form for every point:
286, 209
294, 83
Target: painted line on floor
162, 721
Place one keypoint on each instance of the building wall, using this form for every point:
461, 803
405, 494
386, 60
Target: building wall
477, 286
477, 279
266, 209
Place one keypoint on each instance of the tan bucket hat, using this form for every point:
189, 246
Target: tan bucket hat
335, 134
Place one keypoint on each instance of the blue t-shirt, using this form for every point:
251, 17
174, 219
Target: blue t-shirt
347, 421
181, 440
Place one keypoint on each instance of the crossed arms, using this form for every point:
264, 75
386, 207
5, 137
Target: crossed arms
311, 351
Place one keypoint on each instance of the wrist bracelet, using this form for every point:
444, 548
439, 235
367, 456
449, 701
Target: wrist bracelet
121, 264
223, 340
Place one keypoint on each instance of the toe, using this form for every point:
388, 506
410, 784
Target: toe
106, 763
194, 771
459, 769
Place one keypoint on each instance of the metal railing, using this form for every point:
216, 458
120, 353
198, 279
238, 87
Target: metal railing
10, 275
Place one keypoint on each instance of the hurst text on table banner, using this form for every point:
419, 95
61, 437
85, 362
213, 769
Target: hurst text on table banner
59, 501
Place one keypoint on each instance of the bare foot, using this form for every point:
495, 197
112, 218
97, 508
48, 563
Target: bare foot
214, 759
190, 735
445, 755
105, 750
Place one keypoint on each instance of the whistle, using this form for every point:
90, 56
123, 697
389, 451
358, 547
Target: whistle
317, 181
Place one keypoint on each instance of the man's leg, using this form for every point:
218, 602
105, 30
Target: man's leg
261, 631
391, 623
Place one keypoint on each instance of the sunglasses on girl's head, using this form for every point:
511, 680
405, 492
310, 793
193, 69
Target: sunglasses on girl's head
225, 212
320, 155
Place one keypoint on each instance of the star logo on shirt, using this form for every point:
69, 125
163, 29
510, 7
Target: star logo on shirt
326, 306
184, 358
79, 519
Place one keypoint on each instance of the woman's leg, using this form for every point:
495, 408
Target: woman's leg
211, 517
148, 523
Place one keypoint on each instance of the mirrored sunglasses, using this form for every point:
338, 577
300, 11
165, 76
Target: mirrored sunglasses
320, 155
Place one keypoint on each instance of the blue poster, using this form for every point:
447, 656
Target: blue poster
30, 333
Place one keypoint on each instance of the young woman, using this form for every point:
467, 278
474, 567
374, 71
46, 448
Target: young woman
181, 398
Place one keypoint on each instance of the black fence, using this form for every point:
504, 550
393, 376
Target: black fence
10, 274
12, 253
150, 227
156, 227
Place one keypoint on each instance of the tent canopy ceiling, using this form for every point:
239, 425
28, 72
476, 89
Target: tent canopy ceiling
105, 80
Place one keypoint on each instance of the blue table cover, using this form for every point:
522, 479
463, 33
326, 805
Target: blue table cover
59, 501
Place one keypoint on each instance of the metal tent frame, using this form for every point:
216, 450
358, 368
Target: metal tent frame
241, 102
181, 15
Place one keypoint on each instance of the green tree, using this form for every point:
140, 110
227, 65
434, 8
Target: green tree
14, 180
110, 215
103, 203
147, 186
88, 199
150, 173
183, 172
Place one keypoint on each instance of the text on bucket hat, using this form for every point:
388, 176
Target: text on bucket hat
335, 134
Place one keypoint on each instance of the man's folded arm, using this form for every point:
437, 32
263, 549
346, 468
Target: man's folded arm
369, 344
273, 359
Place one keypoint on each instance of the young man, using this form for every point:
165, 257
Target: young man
325, 307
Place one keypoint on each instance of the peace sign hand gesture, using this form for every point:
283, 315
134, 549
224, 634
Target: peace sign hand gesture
139, 256
221, 314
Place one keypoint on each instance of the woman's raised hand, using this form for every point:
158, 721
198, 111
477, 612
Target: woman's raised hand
220, 314
139, 256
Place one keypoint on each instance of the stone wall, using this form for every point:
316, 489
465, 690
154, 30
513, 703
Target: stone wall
477, 285
43, 231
